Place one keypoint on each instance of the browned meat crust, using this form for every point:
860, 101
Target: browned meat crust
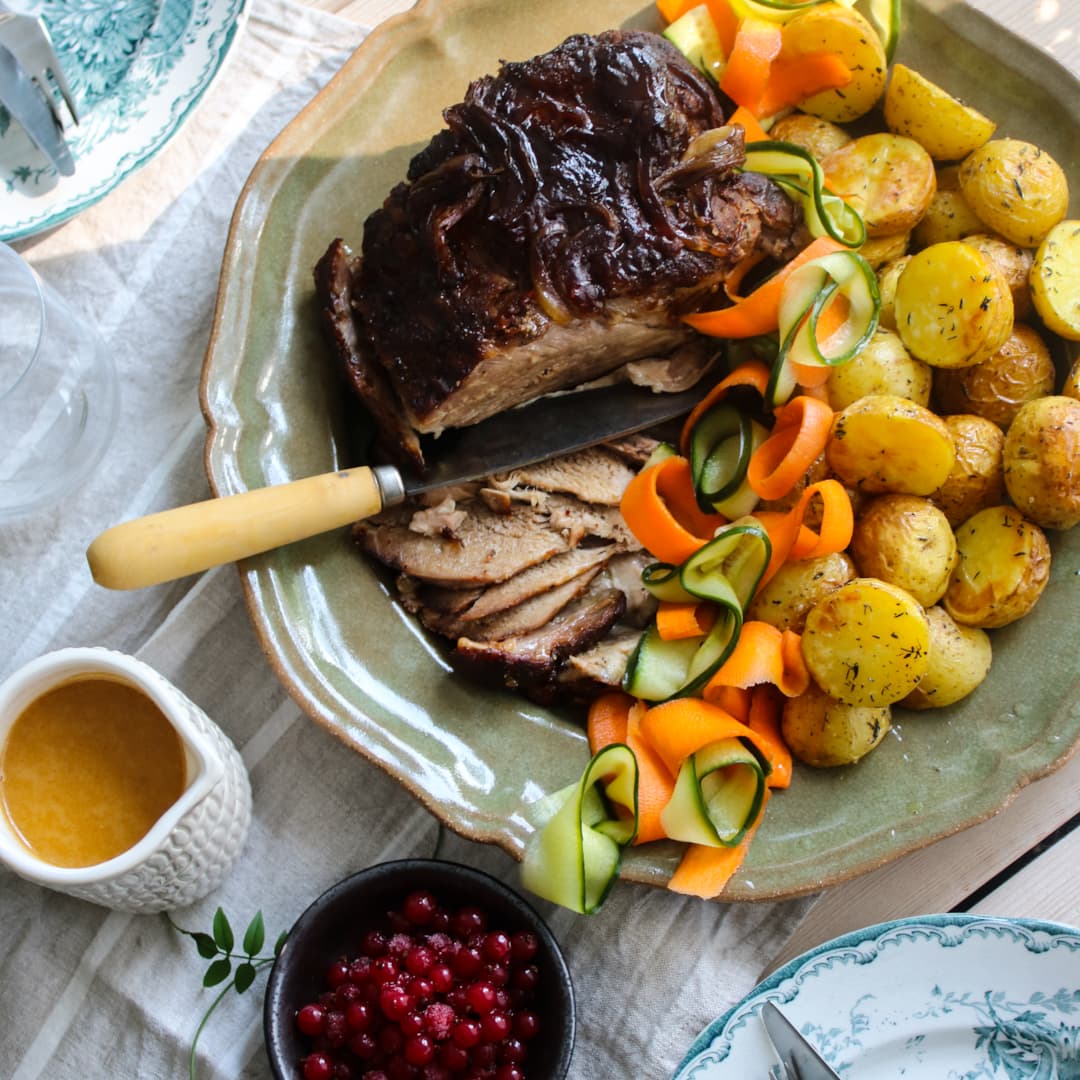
551, 233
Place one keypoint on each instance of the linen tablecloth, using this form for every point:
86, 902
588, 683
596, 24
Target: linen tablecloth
85, 992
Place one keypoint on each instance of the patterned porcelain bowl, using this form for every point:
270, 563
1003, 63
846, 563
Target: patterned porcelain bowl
188, 850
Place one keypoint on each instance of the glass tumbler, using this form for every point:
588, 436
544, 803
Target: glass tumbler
59, 396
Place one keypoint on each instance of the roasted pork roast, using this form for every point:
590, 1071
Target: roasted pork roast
572, 209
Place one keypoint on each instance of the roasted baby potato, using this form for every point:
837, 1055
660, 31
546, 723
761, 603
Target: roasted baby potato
885, 443
837, 29
1042, 461
1020, 371
1071, 386
796, 587
906, 541
1002, 569
819, 137
960, 659
887, 277
1018, 189
823, 732
883, 367
977, 478
889, 179
1055, 280
948, 217
953, 306
1014, 263
866, 643
879, 250
922, 110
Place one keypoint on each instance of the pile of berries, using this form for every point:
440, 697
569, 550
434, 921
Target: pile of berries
435, 994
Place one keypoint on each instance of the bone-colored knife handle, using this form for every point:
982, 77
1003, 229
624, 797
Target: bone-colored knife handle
174, 543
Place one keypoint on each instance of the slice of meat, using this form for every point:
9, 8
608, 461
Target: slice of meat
553, 232
533, 659
596, 475
600, 667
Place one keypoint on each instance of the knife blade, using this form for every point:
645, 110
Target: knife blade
189, 539
799, 1056
26, 104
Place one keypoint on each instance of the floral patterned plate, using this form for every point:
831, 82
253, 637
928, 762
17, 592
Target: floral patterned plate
940, 997
137, 70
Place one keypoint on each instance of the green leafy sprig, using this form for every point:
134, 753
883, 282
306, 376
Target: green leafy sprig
217, 947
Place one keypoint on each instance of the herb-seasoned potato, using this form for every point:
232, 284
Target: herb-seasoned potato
906, 541
922, 110
1055, 280
948, 217
1042, 461
866, 643
883, 367
977, 478
1018, 189
1003, 567
837, 29
823, 732
887, 278
1071, 387
796, 587
879, 250
1014, 263
1020, 371
960, 659
819, 137
889, 179
953, 307
885, 443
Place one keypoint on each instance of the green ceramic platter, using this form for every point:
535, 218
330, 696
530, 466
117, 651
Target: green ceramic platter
364, 670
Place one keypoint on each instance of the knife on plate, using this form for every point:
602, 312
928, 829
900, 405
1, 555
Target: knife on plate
800, 1059
26, 104
189, 539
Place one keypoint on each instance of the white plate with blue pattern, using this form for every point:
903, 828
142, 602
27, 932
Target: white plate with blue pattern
137, 70
941, 997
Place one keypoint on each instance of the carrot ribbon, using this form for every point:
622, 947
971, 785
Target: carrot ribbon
798, 437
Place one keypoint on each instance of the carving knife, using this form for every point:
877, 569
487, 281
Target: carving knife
27, 105
801, 1060
190, 539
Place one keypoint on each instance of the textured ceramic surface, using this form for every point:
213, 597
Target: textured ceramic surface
136, 70
942, 997
188, 852
363, 669
334, 923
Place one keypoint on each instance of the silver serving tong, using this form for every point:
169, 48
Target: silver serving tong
27, 38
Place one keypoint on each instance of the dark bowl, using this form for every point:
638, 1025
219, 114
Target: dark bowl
334, 923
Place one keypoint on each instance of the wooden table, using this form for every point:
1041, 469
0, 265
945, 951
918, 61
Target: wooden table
1024, 861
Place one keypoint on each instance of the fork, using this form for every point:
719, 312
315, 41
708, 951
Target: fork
27, 37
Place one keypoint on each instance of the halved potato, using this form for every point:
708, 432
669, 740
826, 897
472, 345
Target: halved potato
819, 137
885, 443
1020, 371
879, 250
960, 659
867, 643
948, 217
977, 478
1002, 570
889, 179
887, 278
922, 110
837, 29
1017, 188
824, 733
1055, 280
883, 367
953, 306
796, 587
1013, 261
1042, 461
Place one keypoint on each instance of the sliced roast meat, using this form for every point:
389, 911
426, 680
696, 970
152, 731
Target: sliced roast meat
555, 230
596, 475
534, 659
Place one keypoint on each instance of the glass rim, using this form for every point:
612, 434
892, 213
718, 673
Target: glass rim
14, 259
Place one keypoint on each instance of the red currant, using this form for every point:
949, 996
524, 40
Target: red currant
373, 944
318, 1067
496, 947
466, 1033
394, 1001
419, 1049
523, 946
526, 1025
420, 908
481, 997
469, 920
358, 1016
337, 973
311, 1020
495, 1026
442, 978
